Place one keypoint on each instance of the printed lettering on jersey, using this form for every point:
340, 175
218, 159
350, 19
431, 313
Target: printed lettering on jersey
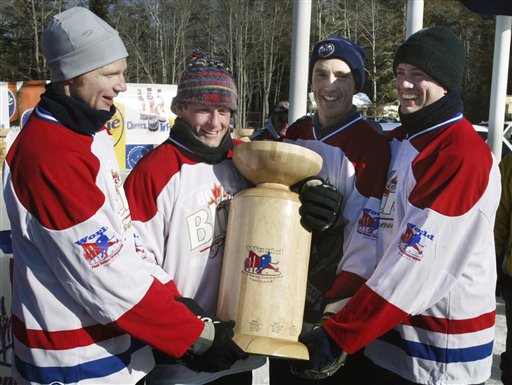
218, 195
413, 241
123, 210
388, 202
368, 224
139, 247
207, 227
261, 263
101, 247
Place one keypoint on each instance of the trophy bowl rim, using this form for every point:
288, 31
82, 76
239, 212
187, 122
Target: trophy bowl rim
276, 162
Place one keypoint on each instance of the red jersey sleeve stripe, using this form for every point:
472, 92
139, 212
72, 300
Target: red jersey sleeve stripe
452, 326
346, 284
364, 318
63, 339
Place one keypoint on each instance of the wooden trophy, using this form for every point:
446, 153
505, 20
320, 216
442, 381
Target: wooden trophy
266, 255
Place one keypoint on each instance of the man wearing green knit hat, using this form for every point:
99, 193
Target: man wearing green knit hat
425, 312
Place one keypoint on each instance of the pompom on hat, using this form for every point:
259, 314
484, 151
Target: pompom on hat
438, 52
206, 81
340, 48
77, 41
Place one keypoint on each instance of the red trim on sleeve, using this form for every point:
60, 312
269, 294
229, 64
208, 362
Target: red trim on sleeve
369, 151
61, 191
453, 177
345, 285
450, 326
364, 318
172, 330
63, 339
149, 177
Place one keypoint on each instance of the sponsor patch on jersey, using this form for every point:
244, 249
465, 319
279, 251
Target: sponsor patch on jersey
388, 201
100, 248
261, 262
218, 195
368, 224
139, 247
413, 242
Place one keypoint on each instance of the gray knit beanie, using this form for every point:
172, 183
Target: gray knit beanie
77, 41
438, 52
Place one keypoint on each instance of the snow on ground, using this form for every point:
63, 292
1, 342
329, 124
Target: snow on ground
260, 376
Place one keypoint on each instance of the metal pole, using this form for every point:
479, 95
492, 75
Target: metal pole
300, 59
499, 84
414, 17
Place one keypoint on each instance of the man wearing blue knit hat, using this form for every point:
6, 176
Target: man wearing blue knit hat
425, 311
355, 160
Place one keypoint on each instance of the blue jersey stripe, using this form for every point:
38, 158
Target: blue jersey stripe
71, 374
434, 353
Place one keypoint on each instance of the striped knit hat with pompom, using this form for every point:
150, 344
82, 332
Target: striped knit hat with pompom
206, 81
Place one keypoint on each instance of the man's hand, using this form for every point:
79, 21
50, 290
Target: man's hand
215, 349
221, 355
320, 204
325, 356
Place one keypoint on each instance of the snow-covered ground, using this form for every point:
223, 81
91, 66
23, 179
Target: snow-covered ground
260, 376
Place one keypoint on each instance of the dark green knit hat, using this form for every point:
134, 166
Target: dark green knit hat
436, 51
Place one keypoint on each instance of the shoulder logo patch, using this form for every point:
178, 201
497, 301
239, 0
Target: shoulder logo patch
101, 247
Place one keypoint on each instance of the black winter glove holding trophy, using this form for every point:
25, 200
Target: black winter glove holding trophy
214, 350
320, 204
320, 210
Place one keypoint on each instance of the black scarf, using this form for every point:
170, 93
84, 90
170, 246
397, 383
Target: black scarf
73, 113
183, 133
433, 114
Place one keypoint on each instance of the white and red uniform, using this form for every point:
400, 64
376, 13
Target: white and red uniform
180, 208
427, 311
85, 302
355, 159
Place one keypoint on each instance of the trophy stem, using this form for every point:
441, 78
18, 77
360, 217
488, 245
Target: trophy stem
274, 186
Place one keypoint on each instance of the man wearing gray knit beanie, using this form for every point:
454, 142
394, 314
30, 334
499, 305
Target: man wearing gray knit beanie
87, 306
424, 313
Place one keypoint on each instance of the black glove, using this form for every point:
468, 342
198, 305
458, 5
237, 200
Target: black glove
320, 204
222, 352
325, 256
221, 355
325, 356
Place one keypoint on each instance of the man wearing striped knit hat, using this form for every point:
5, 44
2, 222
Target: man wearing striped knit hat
179, 194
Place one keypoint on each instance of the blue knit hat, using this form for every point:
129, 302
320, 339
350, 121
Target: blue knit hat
337, 47
206, 81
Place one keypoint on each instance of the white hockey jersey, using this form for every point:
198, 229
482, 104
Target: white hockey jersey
355, 160
85, 302
427, 312
180, 207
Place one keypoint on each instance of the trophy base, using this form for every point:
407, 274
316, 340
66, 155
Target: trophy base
272, 346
